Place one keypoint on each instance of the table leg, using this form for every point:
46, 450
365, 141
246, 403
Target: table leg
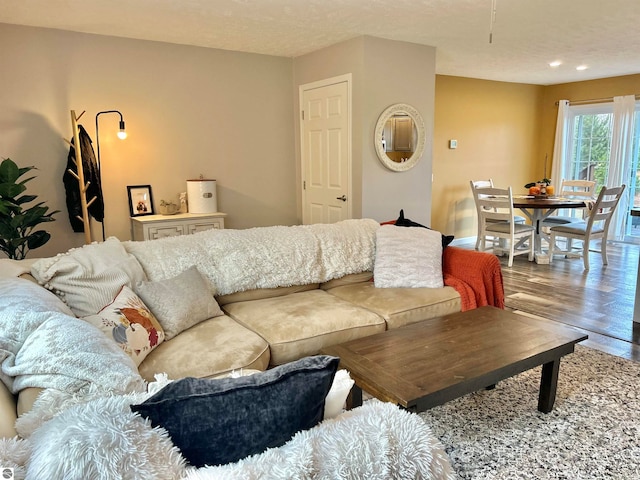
548, 385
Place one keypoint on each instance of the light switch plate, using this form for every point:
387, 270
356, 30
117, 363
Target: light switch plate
453, 144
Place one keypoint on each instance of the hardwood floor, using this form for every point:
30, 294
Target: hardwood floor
598, 302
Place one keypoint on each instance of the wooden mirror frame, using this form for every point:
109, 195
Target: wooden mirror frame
389, 112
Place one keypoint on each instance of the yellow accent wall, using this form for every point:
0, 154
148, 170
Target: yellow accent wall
497, 126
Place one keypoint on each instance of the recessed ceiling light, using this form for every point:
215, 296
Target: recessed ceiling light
581, 67
555, 63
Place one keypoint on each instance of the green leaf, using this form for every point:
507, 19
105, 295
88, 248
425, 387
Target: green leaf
11, 190
25, 199
9, 171
24, 170
22, 182
38, 239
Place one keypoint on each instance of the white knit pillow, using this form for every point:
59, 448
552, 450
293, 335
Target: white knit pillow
408, 257
89, 278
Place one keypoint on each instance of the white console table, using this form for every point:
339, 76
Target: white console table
151, 227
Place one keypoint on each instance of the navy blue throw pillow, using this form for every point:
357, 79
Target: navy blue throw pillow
219, 421
405, 222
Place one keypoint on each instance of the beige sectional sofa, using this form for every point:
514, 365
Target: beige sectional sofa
285, 293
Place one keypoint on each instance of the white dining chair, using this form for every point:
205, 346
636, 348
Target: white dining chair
497, 220
574, 189
596, 226
475, 184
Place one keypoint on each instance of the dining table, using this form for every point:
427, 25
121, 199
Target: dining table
538, 208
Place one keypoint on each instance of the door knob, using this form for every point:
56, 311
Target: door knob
343, 198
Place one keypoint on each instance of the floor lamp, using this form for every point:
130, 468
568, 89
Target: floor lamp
122, 134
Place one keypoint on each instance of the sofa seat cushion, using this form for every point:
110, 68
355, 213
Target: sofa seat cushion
348, 280
401, 306
210, 348
9, 412
301, 324
259, 293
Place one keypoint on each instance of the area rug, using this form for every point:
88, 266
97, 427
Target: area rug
593, 431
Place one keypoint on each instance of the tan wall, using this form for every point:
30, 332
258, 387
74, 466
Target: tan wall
497, 128
188, 111
386, 192
377, 192
588, 90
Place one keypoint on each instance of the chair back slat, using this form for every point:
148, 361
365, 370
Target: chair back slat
577, 188
495, 203
605, 205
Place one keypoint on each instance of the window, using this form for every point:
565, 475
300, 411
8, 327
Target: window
590, 131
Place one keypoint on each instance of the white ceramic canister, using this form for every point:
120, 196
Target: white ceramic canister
202, 196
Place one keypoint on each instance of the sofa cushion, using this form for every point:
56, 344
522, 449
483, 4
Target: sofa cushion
90, 277
258, 293
210, 348
401, 306
216, 422
348, 280
408, 257
130, 323
9, 412
26, 399
179, 302
303, 323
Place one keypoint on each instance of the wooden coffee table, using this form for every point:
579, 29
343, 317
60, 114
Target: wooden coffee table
428, 363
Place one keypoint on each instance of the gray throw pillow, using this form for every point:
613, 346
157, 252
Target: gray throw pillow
179, 302
219, 421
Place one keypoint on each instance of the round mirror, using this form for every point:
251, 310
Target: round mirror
399, 137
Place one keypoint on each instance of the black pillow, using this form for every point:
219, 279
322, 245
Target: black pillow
405, 222
218, 421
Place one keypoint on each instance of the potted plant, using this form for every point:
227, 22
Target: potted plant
18, 222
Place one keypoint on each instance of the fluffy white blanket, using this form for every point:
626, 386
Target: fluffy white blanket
99, 437
377, 441
265, 257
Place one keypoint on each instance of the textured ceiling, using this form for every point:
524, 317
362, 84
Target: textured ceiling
527, 34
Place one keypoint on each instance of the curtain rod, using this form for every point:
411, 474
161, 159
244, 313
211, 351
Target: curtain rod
595, 100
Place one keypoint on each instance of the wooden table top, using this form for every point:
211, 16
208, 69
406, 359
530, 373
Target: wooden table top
526, 201
425, 364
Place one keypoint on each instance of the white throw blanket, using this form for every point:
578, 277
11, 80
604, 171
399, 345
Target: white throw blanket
43, 345
265, 257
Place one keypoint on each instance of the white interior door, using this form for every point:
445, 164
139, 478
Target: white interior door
326, 150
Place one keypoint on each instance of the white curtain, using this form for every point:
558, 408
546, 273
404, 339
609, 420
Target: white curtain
621, 158
560, 144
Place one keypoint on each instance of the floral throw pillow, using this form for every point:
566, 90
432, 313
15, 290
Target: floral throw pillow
129, 322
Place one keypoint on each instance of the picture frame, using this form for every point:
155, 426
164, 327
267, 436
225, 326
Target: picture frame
140, 200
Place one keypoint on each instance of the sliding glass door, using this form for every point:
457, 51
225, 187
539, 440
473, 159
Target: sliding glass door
590, 130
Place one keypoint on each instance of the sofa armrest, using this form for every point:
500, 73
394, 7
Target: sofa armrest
479, 274
8, 412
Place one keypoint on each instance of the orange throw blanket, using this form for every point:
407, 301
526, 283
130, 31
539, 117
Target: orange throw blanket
476, 276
